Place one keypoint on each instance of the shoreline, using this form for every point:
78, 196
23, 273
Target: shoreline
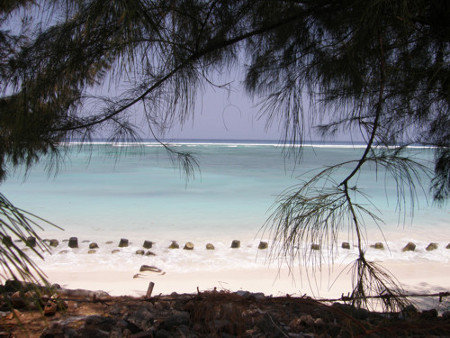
415, 277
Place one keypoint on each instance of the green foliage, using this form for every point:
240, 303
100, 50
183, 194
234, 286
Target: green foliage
20, 224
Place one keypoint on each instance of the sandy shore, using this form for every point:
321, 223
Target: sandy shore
417, 277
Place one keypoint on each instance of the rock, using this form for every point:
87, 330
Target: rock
358, 313
100, 322
56, 286
174, 245
177, 319
409, 311
319, 322
92, 332
109, 242
115, 251
345, 245
378, 246
92, 251
17, 301
31, 242
243, 293
54, 330
209, 246
149, 268
307, 320
147, 245
269, 326
7, 241
93, 246
429, 314
446, 315
150, 253
53, 243
62, 252
140, 252
99, 294
448, 246
409, 247
258, 295
31, 298
263, 245
12, 285
73, 242
13, 315
189, 246
85, 241
141, 319
235, 244
295, 324
432, 246
315, 246
123, 243
50, 308
162, 333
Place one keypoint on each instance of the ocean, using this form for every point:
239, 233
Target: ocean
103, 192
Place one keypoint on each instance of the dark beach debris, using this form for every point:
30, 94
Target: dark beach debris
149, 268
378, 246
93, 245
123, 243
315, 247
345, 245
263, 245
409, 247
7, 241
432, 246
235, 244
92, 251
174, 245
189, 246
209, 246
147, 245
53, 243
31, 242
115, 251
140, 252
73, 242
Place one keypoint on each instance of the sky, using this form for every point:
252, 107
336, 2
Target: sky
233, 115
226, 114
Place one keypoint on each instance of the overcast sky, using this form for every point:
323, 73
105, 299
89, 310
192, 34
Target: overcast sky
226, 114
232, 115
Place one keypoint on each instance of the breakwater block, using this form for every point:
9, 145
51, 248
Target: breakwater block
235, 244
73, 242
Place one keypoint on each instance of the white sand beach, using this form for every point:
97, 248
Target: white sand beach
415, 277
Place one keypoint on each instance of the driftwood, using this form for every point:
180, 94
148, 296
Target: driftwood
149, 290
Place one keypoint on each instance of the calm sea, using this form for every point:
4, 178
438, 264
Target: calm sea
103, 192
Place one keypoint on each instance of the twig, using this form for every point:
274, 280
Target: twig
409, 295
279, 329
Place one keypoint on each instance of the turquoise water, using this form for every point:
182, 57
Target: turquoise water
107, 192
